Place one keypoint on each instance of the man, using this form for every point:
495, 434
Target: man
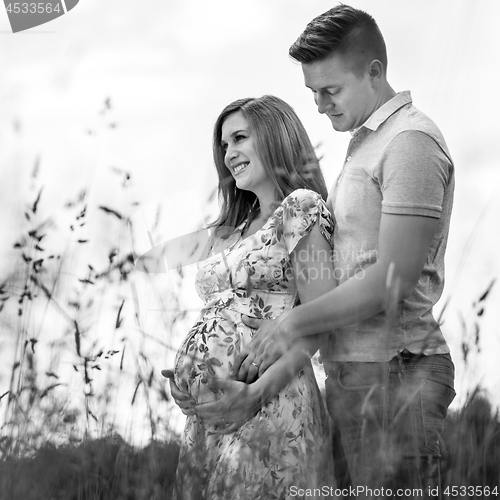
390, 375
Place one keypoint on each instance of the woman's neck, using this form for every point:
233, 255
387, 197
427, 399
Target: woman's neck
267, 203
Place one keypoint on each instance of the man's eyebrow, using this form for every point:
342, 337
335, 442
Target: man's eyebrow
325, 87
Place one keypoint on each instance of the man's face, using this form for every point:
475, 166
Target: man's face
347, 98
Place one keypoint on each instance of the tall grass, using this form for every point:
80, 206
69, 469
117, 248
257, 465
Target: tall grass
104, 468
80, 386
471, 445
55, 444
45, 292
471, 436
63, 434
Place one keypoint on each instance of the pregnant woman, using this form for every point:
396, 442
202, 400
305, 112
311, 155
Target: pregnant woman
270, 249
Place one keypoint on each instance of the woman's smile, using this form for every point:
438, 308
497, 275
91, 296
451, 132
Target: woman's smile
237, 169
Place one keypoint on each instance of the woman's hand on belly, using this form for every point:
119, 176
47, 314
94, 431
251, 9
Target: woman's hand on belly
182, 399
238, 405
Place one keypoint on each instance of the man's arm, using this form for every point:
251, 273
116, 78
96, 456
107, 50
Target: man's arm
404, 243
403, 247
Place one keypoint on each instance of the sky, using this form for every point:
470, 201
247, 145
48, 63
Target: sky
167, 68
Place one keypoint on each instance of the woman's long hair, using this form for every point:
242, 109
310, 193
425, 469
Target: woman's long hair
284, 149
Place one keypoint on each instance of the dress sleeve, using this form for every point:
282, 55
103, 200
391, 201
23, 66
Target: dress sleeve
301, 210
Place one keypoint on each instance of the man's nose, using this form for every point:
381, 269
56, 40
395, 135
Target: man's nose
324, 103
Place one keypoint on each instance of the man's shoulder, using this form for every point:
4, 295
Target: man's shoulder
409, 117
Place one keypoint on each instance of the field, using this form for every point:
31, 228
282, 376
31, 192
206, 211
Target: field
63, 432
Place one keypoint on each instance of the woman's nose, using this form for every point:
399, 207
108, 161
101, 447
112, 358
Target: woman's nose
230, 154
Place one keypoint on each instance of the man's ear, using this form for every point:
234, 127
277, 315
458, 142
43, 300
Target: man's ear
376, 70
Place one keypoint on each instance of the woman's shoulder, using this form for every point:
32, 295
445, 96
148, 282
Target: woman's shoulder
303, 199
304, 193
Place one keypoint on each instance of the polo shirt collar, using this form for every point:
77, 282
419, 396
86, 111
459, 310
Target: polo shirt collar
381, 114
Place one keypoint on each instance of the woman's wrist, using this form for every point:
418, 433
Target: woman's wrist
259, 391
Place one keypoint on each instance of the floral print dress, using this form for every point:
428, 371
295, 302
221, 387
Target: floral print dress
287, 442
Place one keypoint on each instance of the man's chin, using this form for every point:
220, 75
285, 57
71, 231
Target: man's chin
338, 124
339, 128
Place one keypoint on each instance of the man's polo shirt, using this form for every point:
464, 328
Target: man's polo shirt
397, 163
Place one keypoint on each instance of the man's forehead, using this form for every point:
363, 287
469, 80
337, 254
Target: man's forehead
321, 75
327, 73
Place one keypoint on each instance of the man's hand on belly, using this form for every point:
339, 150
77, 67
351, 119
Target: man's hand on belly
266, 347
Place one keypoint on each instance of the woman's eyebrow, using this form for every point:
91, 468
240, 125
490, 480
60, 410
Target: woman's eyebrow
232, 134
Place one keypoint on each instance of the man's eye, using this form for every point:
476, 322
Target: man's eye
332, 92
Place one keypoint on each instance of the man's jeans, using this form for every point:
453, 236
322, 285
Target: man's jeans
389, 417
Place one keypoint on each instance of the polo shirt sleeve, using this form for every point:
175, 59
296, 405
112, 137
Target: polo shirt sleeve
414, 175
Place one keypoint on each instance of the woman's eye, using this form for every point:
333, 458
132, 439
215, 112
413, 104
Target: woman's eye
239, 137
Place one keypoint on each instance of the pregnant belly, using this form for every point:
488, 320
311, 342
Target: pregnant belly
209, 351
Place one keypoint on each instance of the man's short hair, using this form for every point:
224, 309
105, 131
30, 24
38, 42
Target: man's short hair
342, 30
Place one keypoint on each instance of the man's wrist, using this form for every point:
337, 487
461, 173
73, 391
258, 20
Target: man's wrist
287, 325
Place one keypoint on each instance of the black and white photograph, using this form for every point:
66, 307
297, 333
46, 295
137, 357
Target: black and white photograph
250, 249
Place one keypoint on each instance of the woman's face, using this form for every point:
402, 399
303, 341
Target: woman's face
241, 156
